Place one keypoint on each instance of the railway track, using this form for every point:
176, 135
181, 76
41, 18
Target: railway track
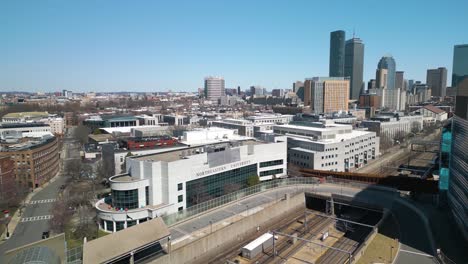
344, 243
229, 255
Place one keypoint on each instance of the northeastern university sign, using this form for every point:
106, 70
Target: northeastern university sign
222, 168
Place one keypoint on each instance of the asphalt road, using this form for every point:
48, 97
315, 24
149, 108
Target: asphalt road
36, 214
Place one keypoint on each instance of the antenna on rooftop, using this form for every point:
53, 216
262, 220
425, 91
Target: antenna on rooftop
354, 32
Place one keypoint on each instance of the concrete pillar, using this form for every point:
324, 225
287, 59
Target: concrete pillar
105, 225
114, 226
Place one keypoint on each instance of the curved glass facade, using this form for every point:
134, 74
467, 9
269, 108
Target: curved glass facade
125, 199
388, 63
337, 53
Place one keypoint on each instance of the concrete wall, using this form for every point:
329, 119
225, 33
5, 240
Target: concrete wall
207, 248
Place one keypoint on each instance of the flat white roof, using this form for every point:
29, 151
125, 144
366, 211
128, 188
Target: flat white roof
128, 129
338, 138
311, 128
257, 242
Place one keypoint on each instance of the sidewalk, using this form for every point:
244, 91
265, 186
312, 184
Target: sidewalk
17, 216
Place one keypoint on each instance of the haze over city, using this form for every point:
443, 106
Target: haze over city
153, 46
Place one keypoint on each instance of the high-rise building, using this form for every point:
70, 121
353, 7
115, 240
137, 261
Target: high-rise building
326, 94
436, 79
372, 84
354, 66
257, 90
277, 92
337, 53
381, 77
214, 88
399, 80
454, 144
238, 90
460, 79
388, 63
297, 85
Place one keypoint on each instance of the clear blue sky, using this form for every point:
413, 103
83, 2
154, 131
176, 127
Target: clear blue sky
159, 45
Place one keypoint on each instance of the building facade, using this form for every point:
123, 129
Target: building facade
390, 126
36, 161
337, 53
7, 178
460, 79
436, 79
326, 94
214, 88
328, 146
354, 66
172, 181
400, 80
388, 63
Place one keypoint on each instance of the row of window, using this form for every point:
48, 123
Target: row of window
329, 164
271, 172
271, 163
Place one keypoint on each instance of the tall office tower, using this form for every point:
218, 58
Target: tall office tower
326, 94
238, 90
457, 193
297, 85
337, 53
381, 77
372, 84
388, 63
436, 79
399, 80
410, 85
460, 79
354, 66
214, 88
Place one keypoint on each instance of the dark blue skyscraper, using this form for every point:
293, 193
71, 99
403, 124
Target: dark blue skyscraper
387, 62
337, 53
354, 66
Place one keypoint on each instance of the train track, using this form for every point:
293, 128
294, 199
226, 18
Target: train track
310, 234
229, 255
337, 257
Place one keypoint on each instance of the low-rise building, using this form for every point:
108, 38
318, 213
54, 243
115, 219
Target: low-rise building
431, 114
15, 131
21, 117
36, 161
328, 146
389, 126
216, 163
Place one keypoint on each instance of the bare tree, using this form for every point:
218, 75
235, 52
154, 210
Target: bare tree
81, 134
60, 216
385, 142
415, 127
399, 136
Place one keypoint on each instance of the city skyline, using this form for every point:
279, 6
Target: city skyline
49, 47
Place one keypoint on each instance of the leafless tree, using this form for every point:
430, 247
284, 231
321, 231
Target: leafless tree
81, 134
60, 216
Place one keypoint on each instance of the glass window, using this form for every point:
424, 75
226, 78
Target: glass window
131, 223
180, 186
180, 198
180, 208
110, 226
119, 225
125, 199
271, 163
147, 194
271, 172
207, 188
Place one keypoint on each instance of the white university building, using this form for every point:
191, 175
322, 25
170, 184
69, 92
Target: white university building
217, 162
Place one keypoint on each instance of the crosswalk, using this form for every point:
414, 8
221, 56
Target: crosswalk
42, 201
36, 218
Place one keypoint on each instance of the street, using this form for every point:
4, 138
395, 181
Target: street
37, 212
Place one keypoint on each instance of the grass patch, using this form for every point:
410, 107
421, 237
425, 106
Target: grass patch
379, 250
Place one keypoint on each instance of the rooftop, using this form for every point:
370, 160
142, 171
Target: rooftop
26, 114
173, 155
120, 243
18, 125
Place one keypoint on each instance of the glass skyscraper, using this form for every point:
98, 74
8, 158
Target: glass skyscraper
460, 79
337, 53
354, 66
388, 63
458, 169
